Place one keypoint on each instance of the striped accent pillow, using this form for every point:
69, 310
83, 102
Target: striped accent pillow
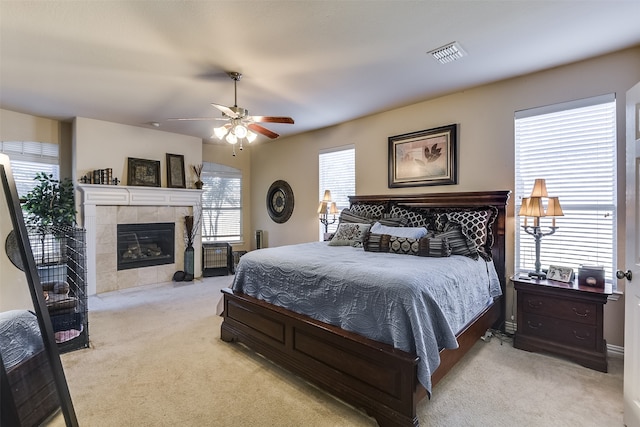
460, 245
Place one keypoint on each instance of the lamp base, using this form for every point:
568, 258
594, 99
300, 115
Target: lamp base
539, 276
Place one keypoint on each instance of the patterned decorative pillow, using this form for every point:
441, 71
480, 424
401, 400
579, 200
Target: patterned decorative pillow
373, 242
412, 232
368, 210
476, 225
347, 216
349, 234
414, 217
404, 245
432, 246
459, 244
391, 221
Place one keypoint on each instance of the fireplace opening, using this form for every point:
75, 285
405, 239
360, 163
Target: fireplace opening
145, 245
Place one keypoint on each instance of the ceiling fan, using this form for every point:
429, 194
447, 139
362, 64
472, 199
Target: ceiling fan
240, 125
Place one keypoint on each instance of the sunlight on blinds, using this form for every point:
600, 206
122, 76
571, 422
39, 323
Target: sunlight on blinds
573, 147
337, 170
221, 203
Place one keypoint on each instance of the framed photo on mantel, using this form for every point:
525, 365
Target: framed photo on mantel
142, 172
175, 171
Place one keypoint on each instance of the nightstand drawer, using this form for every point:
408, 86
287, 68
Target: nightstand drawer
575, 311
563, 332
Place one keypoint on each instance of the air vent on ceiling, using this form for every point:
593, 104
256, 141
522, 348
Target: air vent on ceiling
448, 53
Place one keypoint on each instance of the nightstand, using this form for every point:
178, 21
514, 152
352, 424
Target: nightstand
562, 318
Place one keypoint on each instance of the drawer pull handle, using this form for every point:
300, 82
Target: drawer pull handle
585, 314
535, 304
575, 334
534, 325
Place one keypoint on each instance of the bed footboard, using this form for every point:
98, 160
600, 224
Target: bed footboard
365, 373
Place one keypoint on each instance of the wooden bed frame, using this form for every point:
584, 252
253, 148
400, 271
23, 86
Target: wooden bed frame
368, 374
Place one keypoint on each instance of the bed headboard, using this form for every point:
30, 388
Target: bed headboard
495, 199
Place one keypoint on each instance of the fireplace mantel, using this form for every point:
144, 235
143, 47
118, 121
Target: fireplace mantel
118, 195
94, 195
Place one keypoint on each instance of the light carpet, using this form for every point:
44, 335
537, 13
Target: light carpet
156, 359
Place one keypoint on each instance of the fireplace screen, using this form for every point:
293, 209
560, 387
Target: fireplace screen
145, 245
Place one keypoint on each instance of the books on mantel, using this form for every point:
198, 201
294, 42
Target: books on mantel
101, 176
591, 275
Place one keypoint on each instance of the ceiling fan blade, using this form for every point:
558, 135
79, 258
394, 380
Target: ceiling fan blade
263, 130
200, 118
226, 110
272, 119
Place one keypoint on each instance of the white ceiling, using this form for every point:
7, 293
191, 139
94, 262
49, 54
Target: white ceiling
320, 62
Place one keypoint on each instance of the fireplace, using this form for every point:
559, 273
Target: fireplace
145, 245
105, 206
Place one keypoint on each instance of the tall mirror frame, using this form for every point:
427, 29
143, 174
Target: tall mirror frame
9, 413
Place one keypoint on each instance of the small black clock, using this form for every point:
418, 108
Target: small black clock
280, 201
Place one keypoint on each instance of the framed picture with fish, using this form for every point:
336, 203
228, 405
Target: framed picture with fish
426, 157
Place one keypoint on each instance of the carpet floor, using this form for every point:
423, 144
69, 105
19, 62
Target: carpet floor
156, 359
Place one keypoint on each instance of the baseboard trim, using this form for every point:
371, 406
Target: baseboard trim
615, 351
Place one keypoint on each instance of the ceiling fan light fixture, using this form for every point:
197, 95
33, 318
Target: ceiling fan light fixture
251, 136
240, 131
220, 132
448, 53
231, 138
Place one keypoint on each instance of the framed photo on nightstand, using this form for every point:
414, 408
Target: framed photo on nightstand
560, 274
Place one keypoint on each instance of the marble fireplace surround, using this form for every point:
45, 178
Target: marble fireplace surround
105, 206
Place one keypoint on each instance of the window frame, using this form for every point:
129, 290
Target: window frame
217, 170
338, 195
603, 203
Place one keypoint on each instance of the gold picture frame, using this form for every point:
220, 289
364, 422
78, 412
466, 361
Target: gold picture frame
423, 158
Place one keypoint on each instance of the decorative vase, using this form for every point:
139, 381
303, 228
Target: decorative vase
188, 263
198, 184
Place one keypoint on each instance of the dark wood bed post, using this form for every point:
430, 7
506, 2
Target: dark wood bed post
365, 373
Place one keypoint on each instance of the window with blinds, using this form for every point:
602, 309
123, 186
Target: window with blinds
27, 158
573, 146
337, 169
221, 203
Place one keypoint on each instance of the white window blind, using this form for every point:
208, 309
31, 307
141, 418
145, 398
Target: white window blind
337, 169
573, 146
27, 158
221, 203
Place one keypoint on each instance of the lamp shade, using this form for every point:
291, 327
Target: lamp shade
220, 132
327, 196
524, 207
535, 207
333, 209
322, 209
554, 208
539, 188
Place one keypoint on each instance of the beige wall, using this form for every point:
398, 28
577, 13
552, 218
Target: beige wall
100, 145
486, 149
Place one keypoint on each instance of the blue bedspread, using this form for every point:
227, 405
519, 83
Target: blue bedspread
416, 304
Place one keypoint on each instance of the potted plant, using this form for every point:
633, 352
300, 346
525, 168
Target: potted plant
50, 208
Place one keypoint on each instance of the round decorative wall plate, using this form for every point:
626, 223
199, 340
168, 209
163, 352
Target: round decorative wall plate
280, 201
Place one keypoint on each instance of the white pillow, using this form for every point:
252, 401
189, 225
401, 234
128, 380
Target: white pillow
409, 232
